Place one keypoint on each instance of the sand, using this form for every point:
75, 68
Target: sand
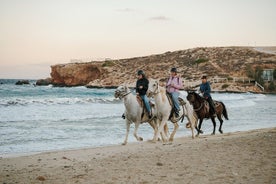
241, 157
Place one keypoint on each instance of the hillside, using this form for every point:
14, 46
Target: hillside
217, 62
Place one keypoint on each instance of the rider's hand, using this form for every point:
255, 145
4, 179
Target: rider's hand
137, 94
141, 87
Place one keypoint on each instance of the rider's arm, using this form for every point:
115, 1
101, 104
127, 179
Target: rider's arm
169, 81
178, 84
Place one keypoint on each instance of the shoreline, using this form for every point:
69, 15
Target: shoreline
238, 157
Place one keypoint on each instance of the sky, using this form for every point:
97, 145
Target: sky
35, 34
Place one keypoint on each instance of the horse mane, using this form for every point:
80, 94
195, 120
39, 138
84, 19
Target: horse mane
198, 97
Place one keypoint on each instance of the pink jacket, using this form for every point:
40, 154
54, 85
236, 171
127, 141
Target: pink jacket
174, 84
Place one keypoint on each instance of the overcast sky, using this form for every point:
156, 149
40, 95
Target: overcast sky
35, 34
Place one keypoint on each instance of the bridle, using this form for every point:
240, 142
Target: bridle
122, 94
156, 91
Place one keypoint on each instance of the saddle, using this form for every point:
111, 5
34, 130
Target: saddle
141, 103
207, 106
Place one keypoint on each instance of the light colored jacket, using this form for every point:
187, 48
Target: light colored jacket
174, 84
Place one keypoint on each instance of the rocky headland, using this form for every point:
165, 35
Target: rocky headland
226, 67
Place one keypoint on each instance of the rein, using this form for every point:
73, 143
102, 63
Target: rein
198, 109
126, 94
123, 95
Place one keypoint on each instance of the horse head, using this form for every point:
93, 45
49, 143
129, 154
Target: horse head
194, 97
153, 87
191, 96
121, 91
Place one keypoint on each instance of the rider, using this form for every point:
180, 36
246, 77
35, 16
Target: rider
142, 85
173, 85
205, 89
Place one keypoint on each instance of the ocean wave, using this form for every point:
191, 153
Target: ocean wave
57, 101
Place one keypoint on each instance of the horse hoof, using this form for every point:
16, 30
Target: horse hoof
200, 131
197, 135
221, 131
124, 143
212, 133
140, 139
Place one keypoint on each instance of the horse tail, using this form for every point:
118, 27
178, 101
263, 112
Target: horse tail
224, 111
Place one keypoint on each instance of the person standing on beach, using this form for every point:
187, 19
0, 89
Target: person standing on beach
142, 85
205, 89
173, 85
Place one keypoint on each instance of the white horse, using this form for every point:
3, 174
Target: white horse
134, 112
164, 108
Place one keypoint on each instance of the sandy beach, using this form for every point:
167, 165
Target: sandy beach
240, 157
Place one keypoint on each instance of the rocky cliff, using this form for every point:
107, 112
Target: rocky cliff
218, 62
76, 74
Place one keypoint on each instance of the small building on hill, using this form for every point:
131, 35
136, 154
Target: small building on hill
268, 74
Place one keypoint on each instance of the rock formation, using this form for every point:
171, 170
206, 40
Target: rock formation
76, 74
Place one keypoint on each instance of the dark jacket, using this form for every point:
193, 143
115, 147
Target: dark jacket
205, 89
142, 82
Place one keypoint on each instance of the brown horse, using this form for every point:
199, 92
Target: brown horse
201, 107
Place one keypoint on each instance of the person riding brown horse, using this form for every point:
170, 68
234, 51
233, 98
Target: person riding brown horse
205, 89
201, 107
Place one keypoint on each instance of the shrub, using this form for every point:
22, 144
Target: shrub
200, 60
108, 64
224, 86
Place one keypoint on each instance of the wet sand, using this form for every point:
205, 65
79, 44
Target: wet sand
240, 157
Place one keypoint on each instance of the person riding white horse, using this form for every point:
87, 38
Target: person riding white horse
133, 112
164, 108
173, 85
141, 89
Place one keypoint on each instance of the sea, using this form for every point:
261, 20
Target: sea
36, 119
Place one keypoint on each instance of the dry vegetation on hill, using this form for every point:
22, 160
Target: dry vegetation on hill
216, 62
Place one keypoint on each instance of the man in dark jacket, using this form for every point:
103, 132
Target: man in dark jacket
205, 89
142, 85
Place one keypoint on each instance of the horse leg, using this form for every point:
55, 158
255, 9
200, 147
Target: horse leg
176, 126
221, 122
161, 130
199, 128
214, 124
135, 132
157, 131
166, 130
154, 124
192, 129
127, 131
193, 122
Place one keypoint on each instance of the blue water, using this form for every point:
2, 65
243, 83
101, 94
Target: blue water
45, 118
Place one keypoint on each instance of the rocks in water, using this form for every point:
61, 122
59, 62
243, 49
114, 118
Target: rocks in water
21, 82
43, 82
